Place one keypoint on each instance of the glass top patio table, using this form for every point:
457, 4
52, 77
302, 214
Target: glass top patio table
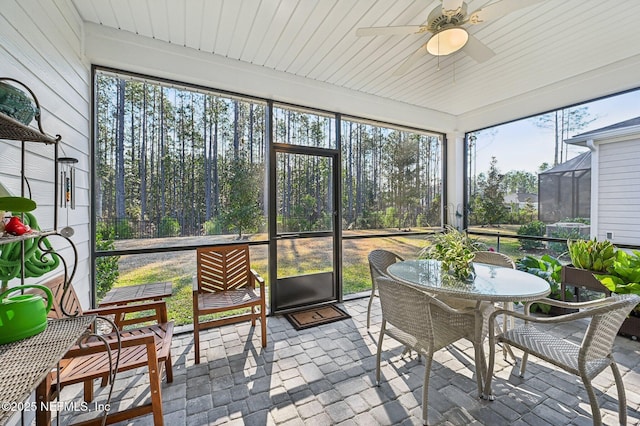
491, 283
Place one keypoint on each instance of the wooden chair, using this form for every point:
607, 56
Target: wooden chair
143, 345
379, 261
585, 357
226, 282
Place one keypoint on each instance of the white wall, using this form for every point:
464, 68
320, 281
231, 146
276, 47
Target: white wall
618, 188
41, 45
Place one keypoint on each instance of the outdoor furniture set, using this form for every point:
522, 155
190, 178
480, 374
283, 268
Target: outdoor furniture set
145, 342
413, 313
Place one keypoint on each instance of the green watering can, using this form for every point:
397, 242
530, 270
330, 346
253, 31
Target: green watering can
24, 315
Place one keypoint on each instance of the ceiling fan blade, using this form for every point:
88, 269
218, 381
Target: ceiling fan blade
408, 63
477, 50
400, 30
499, 9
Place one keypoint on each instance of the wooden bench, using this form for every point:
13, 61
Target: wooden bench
147, 344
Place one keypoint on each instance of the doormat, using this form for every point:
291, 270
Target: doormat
316, 316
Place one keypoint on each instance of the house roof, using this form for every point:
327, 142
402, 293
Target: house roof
550, 54
580, 162
630, 126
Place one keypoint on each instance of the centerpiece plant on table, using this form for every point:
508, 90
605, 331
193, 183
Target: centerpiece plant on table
455, 249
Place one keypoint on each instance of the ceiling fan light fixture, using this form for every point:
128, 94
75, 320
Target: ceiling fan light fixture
447, 41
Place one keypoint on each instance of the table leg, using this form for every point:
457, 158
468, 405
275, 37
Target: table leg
43, 416
480, 360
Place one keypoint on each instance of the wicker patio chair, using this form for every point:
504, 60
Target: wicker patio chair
587, 359
494, 258
379, 261
498, 259
426, 325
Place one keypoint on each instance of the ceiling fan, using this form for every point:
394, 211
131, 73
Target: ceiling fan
445, 24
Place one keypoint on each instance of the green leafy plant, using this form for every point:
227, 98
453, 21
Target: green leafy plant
594, 255
455, 249
107, 272
624, 274
548, 268
565, 234
169, 227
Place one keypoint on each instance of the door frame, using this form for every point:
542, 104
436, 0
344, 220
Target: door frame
335, 155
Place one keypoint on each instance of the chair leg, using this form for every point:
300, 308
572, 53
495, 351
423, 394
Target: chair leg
263, 325
196, 338
88, 390
525, 357
154, 385
425, 388
595, 408
481, 367
168, 367
373, 294
486, 392
622, 397
253, 316
43, 417
379, 352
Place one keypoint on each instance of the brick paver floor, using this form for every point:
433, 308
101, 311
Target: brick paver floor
325, 376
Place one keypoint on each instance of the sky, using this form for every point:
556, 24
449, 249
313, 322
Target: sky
535, 145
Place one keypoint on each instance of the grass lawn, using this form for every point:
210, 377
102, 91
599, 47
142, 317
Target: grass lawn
180, 267
300, 256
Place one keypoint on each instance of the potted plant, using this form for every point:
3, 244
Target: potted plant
550, 269
624, 278
455, 249
588, 257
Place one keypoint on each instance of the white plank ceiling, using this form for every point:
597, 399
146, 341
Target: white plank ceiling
536, 47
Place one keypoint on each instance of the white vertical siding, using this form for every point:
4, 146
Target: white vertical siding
41, 45
619, 191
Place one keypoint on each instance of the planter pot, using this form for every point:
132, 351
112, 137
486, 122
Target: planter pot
631, 327
581, 279
556, 310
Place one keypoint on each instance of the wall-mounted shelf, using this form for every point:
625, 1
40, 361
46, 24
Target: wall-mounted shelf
14, 130
6, 239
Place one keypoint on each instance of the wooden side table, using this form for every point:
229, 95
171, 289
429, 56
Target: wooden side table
135, 294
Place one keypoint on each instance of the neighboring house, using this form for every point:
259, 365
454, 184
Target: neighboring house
615, 182
519, 201
565, 190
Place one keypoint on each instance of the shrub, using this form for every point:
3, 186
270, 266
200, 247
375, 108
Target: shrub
565, 234
122, 230
212, 227
169, 227
107, 272
535, 228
